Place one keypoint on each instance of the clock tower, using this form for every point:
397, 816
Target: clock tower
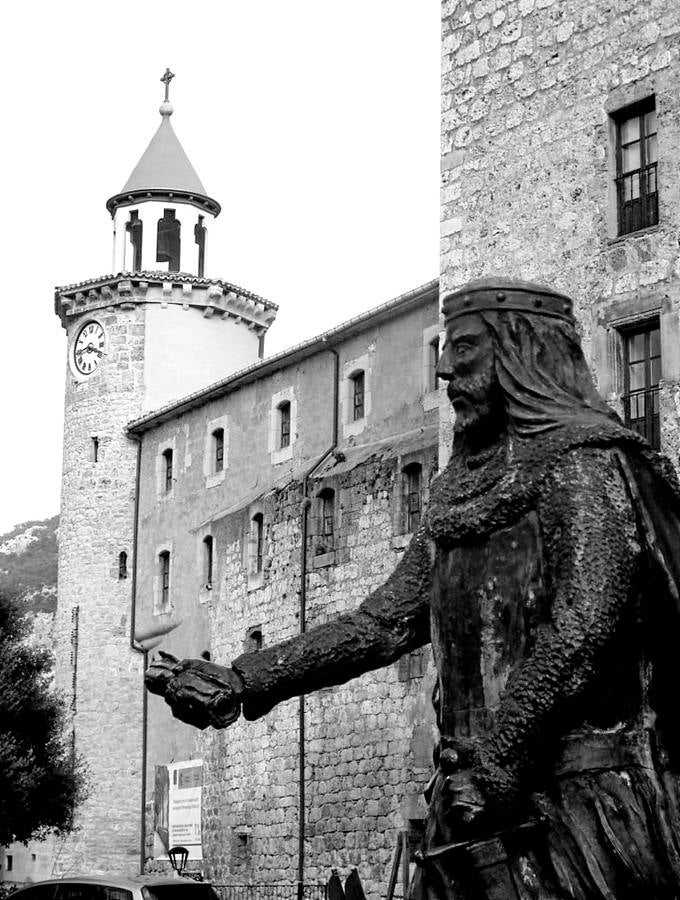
160, 328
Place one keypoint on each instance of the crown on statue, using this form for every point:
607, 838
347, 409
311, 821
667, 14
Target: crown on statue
499, 294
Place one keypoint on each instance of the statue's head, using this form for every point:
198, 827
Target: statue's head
513, 360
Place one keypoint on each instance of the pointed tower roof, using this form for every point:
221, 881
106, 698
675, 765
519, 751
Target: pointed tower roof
164, 171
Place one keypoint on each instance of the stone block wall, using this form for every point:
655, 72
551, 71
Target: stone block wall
368, 743
99, 673
530, 92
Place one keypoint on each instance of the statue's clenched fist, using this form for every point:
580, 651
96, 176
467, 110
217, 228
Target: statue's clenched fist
199, 692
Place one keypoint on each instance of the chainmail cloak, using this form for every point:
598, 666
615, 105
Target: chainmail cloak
537, 578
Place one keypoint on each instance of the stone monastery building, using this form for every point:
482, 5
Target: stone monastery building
215, 499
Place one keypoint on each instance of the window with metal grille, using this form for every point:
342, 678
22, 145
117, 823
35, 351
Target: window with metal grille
284, 424
433, 363
168, 240
167, 461
208, 561
642, 371
358, 392
636, 164
256, 543
164, 572
218, 449
122, 564
412, 499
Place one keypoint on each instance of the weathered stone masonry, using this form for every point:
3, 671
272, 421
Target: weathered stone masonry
529, 88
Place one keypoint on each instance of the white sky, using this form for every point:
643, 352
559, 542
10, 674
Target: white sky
314, 124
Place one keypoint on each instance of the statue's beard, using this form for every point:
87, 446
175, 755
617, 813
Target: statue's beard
478, 410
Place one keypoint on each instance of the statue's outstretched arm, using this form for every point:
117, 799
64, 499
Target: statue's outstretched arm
391, 621
590, 545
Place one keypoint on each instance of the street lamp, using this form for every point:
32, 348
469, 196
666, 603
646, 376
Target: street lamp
178, 858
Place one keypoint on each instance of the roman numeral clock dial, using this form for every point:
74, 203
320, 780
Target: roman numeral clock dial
89, 348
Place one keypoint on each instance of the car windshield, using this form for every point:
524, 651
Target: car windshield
75, 891
184, 889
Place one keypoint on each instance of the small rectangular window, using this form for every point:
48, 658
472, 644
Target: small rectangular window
642, 372
122, 564
95, 449
284, 425
208, 561
433, 363
10, 863
358, 383
218, 449
636, 168
256, 543
164, 566
412, 500
167, 458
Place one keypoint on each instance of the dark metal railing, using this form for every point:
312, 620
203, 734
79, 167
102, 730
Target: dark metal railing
638, 199
641, 413
277, 891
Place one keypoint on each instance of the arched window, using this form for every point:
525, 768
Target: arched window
199, 237
358, 395
433, 379
412, 499
284, 424
256, 544
208, 561
168, 240
218, 449
134, 228
122, 564
167, 463
253, 641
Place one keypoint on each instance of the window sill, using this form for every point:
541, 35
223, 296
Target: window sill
282, 455
430, 400
255, 581
643, 232
215, 478
324, 559
401, 541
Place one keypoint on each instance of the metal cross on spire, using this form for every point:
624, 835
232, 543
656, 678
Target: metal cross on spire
166, 79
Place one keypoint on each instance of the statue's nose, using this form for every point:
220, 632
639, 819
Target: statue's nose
445, 364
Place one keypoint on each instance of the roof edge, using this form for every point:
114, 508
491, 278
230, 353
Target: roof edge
298, 352
127, 198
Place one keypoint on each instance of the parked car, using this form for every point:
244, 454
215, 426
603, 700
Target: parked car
117, 887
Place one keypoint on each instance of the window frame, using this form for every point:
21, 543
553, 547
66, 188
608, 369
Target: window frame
208, 561
647, 200
358, 380
218, 450
651, 429
412, 474
164, 558
284, 423
168, 469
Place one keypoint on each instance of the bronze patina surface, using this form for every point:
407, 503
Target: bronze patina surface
545, 574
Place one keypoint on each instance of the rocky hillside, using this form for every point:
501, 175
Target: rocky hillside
28, 566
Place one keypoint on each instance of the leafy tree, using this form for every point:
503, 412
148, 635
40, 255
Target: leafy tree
40, 781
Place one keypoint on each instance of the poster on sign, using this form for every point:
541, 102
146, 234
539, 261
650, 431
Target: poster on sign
177, 808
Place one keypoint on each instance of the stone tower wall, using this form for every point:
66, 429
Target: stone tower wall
93, 613
529, 91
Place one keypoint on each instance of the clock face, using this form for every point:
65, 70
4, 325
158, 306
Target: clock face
89, 347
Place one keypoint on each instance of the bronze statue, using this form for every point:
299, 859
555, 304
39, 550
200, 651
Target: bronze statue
546, 575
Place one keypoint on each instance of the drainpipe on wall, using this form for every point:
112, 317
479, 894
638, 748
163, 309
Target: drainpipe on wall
306, 503
138, 648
